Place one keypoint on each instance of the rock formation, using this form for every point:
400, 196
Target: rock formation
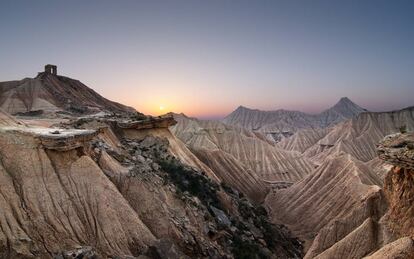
398, 150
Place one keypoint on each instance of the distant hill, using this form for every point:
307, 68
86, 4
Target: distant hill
51, 93
279, 124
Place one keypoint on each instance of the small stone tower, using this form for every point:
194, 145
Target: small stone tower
51, 69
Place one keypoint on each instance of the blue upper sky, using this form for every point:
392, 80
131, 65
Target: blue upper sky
205, 58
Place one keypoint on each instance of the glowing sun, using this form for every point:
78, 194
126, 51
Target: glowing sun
162, 107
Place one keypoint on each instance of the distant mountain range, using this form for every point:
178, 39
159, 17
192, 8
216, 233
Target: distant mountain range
279, 124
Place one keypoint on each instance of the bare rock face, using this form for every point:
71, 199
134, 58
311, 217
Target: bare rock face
57, 200
398, 150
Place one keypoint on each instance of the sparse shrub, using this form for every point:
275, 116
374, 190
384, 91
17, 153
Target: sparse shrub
194, 183
245, 209
138, 116
403, 129
261, 211
244, 249
227, 188
79, 109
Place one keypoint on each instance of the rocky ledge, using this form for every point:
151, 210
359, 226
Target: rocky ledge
150, 123
398, 150
57, 139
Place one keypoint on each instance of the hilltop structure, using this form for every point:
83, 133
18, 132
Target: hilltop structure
51, 69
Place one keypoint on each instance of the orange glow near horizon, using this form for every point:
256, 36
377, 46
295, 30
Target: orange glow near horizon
175, 91
156, 106
157, 109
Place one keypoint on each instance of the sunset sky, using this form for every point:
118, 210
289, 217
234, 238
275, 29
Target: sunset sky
205, 58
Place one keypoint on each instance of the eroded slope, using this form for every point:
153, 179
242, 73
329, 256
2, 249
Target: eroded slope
240, 157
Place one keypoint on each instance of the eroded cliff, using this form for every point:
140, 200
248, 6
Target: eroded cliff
110, 187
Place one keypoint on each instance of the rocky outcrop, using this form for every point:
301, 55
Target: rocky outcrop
56, 139
398, 150
149, 123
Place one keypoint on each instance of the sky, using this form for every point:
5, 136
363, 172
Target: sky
206, 58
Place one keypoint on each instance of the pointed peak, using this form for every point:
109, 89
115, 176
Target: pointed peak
345, 100
346, 108
241, 108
